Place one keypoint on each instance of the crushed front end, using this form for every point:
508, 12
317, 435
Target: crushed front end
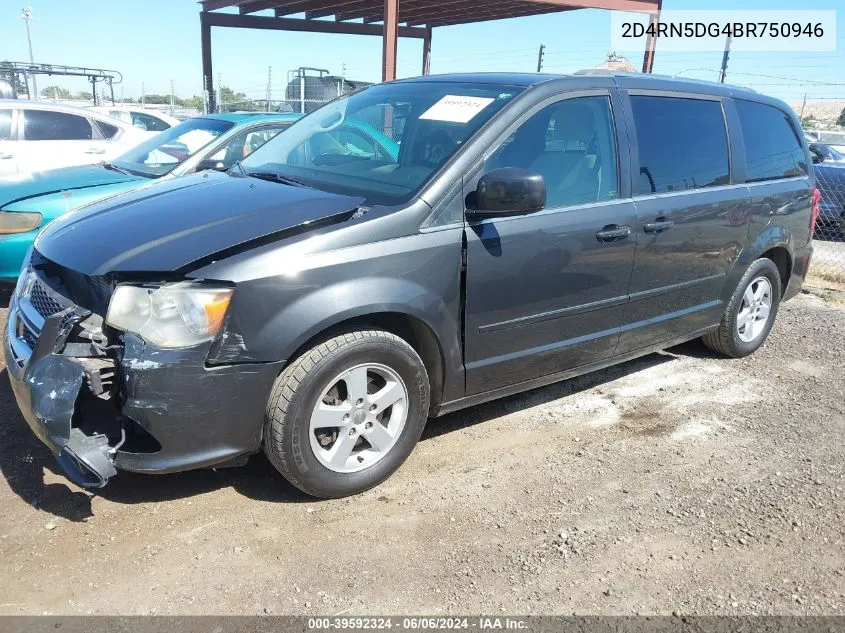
103, 399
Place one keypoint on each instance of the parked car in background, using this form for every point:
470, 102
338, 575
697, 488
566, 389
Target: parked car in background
825, 153
146, 119
35, 136
215, 141
322, 300
830, 179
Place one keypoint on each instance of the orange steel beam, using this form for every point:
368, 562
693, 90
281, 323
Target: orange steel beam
651, 42
389, 40
426, 61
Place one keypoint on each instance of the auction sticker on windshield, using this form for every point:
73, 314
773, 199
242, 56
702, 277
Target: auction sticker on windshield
456, 108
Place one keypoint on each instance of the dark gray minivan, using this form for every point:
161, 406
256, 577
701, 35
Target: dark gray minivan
327, 296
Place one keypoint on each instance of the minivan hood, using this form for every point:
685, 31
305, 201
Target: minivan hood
168, 226
17, 188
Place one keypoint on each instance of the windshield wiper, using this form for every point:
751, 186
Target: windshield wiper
113, 167
272, 175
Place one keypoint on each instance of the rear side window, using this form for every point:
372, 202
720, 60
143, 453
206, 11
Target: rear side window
5, 125
683, 144
44, 125
108, 130
772, 148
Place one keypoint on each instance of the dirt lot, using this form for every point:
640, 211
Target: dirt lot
678, 482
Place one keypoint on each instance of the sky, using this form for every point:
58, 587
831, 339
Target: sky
154, 42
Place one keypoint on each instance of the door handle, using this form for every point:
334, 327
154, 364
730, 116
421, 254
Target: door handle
94, 150
613, 232
658, 226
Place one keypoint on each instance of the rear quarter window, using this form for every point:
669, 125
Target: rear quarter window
108, 130
772, 148
683, 143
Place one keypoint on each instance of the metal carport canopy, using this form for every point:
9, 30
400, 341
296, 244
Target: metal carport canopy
389, 19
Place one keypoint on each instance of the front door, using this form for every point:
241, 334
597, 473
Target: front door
545, 291
693, 221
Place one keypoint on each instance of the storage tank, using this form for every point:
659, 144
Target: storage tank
309, 88
7, 90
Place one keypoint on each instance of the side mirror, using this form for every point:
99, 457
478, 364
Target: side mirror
216, 165
817, 158
507, 191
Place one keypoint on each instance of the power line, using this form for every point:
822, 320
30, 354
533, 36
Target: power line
795, 79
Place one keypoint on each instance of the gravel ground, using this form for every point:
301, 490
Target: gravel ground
679, 482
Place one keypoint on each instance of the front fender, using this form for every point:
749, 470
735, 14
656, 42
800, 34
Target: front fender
329, 306
418, 276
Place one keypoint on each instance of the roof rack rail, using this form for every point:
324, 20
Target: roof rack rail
13, 70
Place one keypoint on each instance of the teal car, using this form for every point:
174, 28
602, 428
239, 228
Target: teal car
215, 141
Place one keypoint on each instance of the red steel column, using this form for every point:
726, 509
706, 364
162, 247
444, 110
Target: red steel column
651, 41
426, 62
391, 33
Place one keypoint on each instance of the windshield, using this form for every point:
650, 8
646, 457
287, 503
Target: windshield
163, 152
383, 143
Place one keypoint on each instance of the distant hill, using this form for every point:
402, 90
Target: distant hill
825, 111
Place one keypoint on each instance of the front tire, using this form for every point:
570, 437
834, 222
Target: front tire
346, 414
750, 314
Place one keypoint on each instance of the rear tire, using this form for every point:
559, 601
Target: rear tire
346, 414
750, 314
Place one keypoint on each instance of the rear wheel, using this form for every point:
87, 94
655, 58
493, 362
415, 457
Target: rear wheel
347, 413
750, 314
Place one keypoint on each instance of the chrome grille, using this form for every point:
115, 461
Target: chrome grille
34, 302
27, 335
41, 300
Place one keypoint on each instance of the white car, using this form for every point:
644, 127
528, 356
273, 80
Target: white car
38, 136
149, 120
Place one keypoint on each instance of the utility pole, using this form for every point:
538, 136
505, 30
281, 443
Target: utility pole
172, 89
803, 105
727, 52
143, 94
342, 79
26, 16
540, 58
269, 85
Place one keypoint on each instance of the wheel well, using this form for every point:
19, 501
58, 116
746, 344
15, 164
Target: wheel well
417, 334
780, 257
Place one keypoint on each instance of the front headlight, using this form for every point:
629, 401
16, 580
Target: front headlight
18, 221
171, 315
25, 280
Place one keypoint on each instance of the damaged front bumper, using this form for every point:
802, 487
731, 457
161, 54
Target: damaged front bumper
130, 406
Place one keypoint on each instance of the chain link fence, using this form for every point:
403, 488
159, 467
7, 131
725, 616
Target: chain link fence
274, 105
829, 245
